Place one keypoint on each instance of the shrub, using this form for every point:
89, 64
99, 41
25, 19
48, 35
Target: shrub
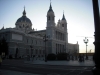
51, 56
10, 57
62, 56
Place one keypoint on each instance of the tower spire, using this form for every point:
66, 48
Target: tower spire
3, 26
50, 2
24, 12
24, 7
63, 18
50, 8
50, 5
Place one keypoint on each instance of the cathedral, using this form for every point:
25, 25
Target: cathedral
23, 40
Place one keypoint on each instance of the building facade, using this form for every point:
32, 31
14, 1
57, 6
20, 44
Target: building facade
24, 40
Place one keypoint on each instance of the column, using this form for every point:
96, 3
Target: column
61, 48
56, 34
96, 70
61, 36
58, 48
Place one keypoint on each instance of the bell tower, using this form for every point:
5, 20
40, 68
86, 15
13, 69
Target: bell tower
64, 24
50, 17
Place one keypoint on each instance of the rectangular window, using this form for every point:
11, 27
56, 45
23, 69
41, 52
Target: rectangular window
40, 42
27, 40
40, 51
36, 51
36, 41
43, 51
32, 41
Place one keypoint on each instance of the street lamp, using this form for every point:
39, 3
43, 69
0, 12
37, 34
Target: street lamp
45, 38
16, 55
86, 41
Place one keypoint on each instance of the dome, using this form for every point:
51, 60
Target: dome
24, 19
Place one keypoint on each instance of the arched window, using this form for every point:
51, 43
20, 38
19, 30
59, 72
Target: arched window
62, 25
36, 51
52, 18
43, 51
36, 41
19, 26
48, 17
40, 51
27, 40
32, 41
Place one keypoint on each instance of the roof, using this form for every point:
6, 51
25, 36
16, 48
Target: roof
24, 19
37, 31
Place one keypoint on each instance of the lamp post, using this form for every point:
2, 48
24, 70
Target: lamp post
31, 50
45, 38
86, 41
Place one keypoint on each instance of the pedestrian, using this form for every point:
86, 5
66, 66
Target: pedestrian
80, 58
93, 57
83, 57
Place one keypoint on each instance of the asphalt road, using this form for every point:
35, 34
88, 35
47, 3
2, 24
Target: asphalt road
19, 65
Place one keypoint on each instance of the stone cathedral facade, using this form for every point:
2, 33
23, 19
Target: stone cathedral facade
26, 41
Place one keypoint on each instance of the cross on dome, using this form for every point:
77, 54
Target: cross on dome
24, 12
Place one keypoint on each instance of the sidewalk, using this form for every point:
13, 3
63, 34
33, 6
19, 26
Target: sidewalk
67, 63
9, 72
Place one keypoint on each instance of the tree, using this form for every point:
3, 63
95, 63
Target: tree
0, 47
3, 46
62, 56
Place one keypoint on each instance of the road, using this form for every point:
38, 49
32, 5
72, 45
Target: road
18, 65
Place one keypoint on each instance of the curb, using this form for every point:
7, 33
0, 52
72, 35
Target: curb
58, 65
